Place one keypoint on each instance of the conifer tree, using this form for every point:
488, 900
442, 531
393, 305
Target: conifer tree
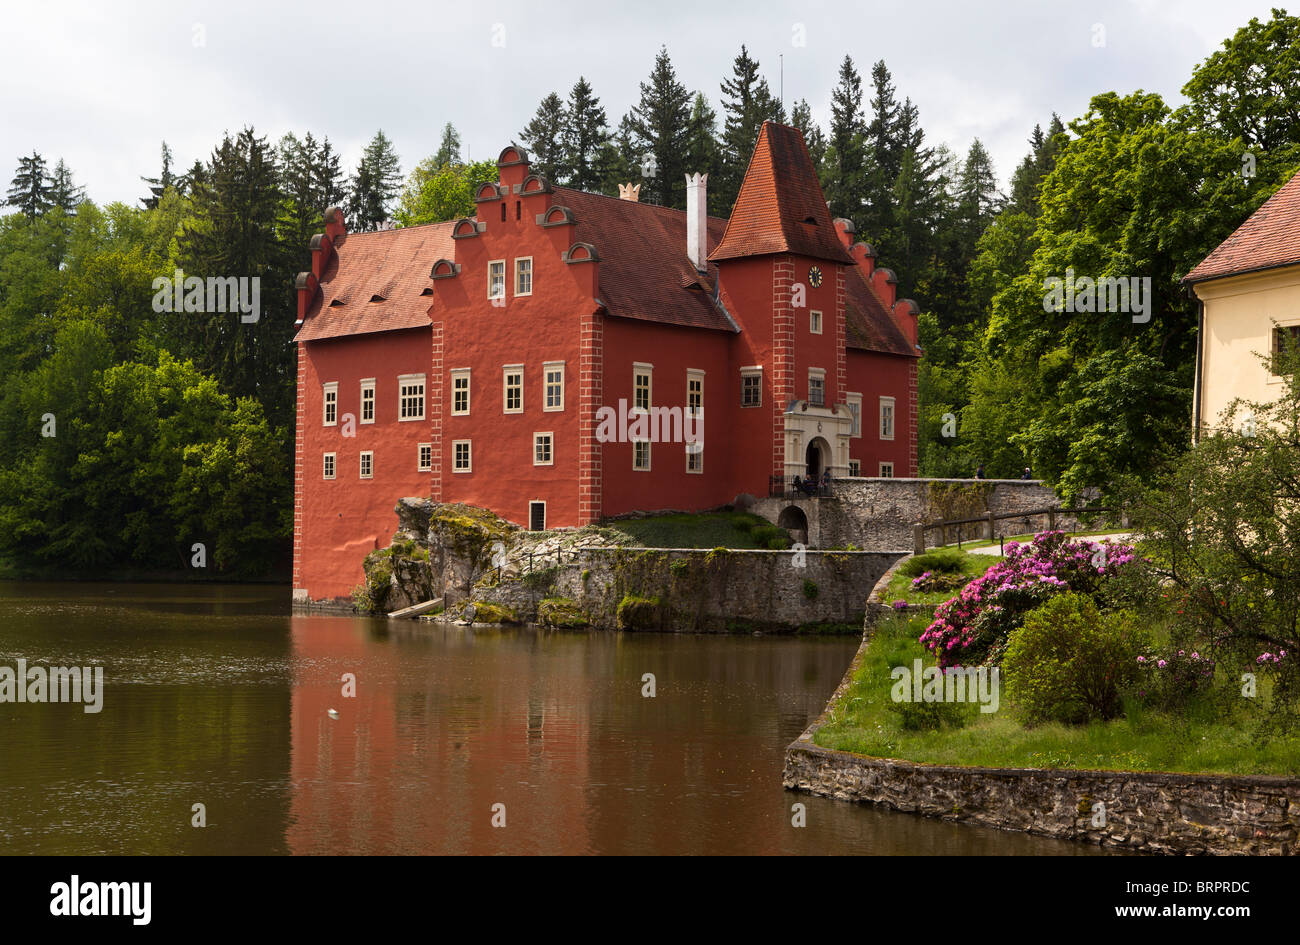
801, 118
584, 138
746, 103
846, 152
542, 137
376, 182
64, 192
661, 122
29, 190
158, 185
449, 149
702, 155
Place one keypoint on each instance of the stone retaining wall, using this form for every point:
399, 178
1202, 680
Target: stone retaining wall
698, 590
1147, 811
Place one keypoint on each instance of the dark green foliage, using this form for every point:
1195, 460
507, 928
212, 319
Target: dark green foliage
1071, 663
661, 124
942, 560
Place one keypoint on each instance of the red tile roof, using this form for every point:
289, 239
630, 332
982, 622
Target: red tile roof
392, 264
1269, 238
870, 326
644, 271
781, 207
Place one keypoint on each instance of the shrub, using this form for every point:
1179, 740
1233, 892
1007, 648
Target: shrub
1071, 663
941, 560
930, 581
809, 589
778, 543
1170, 680
973, 627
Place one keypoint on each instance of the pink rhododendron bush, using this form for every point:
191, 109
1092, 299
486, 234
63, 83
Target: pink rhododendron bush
973, 627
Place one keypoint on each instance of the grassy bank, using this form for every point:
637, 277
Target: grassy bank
867, 721
963, 566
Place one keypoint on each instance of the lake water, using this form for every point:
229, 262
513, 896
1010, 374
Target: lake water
218, 695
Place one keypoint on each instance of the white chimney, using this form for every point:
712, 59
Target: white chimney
697, 220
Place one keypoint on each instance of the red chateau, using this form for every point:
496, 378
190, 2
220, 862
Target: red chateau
470, 361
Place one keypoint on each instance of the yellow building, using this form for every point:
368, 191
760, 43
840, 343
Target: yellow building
1249, 294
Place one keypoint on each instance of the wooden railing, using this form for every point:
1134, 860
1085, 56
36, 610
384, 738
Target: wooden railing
992, 518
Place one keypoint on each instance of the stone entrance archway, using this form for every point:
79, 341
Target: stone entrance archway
817, 458
794, 520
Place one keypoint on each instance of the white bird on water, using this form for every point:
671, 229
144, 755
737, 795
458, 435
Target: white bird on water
333, 713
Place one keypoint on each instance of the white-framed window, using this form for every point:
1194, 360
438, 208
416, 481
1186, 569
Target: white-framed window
815, 322
641, 455
694, 392
553, 384
695, 457
327, 467
512, 388
751, 386
368, 400
367, 466
524, 275
424, 462
1284, 337
886, 419
855, 467
817, 387
460, 392
496, 282
886, 470
642, 385
330, 403
410, 397
462, 459
543, 449
854, 402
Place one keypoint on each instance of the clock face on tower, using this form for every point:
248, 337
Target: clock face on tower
815, 276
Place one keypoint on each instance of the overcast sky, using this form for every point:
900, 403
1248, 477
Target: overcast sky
102, 84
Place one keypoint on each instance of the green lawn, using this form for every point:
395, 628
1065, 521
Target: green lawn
867, 721
900, 586
704, 530
985, 543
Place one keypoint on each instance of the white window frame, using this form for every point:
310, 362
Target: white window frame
641, 369
893, 417
367, 387
420, 464
648, 456
547, 367
460, 374
697, 451
816, 374
367, 457
518, 260
329, 399
469, 455
815, 321
403, 380
329, 468
752, 371
852, 400
890, 473
855, 467
507, 372
490, 279
549, 435
693, 375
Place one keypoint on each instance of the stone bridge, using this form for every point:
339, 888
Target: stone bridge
879, 514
